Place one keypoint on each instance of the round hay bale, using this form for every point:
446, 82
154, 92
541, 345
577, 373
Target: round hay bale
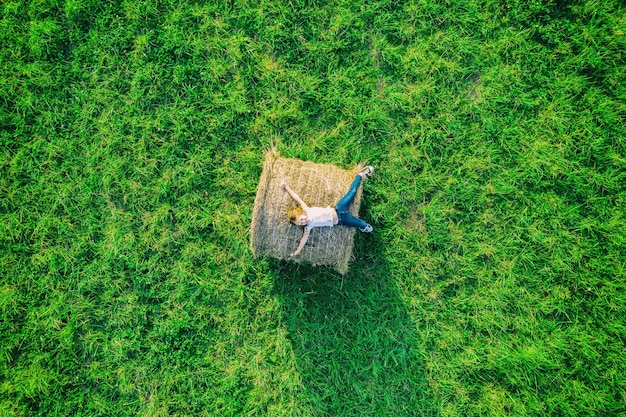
272, 234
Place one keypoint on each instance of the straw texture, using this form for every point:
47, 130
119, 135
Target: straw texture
272, 234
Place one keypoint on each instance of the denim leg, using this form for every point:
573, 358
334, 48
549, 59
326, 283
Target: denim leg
344, 204
347, 219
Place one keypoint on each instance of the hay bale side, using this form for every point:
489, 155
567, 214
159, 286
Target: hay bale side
271, 232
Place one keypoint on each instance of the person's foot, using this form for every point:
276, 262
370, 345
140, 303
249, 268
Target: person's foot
367, 171
367, 229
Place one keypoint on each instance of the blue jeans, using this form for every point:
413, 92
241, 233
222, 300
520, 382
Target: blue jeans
342, 207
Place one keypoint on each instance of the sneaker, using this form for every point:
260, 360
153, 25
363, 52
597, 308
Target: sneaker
367, 229
367, 171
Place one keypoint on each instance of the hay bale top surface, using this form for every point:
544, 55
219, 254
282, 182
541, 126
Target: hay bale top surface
322, 185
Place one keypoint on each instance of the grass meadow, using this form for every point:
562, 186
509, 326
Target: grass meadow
132, 135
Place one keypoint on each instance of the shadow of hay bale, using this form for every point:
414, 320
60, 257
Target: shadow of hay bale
355, 345
271, 233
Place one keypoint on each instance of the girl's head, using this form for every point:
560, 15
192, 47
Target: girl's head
297, 216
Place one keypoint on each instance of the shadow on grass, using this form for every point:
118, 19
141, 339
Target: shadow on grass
354, 342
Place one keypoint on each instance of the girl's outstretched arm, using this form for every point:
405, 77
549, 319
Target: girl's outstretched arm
305, 237
293, 195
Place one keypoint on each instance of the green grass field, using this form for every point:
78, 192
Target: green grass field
131, 142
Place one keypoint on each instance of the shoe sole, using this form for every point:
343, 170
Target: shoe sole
367, 171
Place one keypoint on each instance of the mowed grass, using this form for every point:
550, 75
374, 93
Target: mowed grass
131, 142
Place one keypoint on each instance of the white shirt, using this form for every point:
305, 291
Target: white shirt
319, 217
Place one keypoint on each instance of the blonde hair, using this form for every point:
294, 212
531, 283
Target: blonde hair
294, 211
